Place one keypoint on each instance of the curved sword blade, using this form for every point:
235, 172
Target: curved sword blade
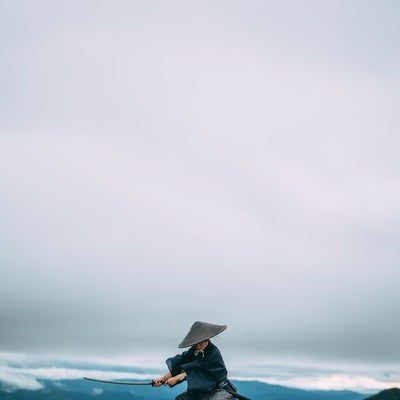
150, 383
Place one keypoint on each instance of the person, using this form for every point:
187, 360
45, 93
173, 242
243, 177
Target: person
201, 366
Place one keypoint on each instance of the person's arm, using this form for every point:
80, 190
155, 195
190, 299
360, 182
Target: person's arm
175, 374
172, 381
162, 379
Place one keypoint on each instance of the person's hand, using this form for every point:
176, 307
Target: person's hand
162, 379
158, 382
172, 381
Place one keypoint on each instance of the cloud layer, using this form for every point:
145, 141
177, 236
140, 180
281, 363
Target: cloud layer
31, 373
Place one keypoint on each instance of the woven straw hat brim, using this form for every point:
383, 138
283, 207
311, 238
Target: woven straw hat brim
201, 331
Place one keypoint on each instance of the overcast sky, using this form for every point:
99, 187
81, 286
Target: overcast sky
236, 162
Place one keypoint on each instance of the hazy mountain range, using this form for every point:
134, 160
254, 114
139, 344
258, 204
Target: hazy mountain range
84, 390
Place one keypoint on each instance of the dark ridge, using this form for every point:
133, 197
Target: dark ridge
387, 394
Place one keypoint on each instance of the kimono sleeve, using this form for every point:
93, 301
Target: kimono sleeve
174, 363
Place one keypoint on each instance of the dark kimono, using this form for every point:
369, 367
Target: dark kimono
206, 371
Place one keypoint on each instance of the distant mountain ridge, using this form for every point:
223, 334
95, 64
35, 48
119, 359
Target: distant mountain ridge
388, 394
84, 390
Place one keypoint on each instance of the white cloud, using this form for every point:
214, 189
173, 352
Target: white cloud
27, 378
336, 382
97, 391
22, 371
13, 379
298, 375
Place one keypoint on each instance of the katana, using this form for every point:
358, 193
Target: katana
152, 382
149, 383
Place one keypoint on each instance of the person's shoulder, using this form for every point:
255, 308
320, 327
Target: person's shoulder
213, 348
188, 353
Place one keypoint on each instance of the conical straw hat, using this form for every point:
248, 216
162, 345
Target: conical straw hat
201, 331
